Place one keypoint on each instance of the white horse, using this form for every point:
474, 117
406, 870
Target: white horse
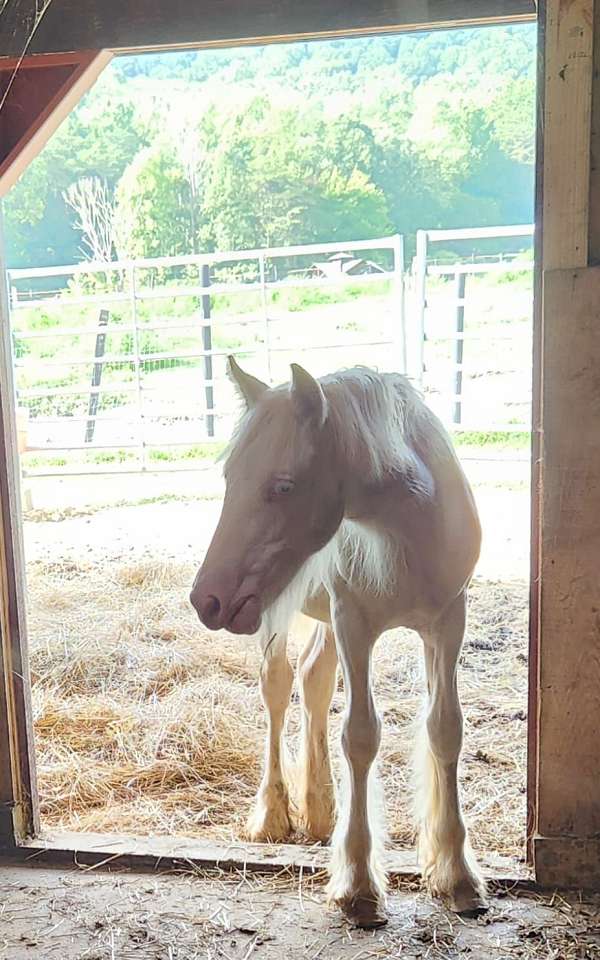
344, 499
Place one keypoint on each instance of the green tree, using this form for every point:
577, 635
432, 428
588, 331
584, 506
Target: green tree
512, 115
153, 212
100, 138
291, 143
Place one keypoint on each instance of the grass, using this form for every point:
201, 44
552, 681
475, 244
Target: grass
178, 310
202, 451
497, 439
496, 378
500, 441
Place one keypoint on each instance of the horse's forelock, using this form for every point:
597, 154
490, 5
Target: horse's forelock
271, 430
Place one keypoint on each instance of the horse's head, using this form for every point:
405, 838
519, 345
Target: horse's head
283, 501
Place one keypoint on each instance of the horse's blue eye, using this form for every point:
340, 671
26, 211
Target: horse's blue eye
282, 487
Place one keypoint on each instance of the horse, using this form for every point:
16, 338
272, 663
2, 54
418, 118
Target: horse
344, 500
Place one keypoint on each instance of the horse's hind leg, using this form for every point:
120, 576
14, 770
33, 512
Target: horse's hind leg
270, 819
449, 868
317, 672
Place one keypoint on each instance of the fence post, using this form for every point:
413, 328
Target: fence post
265, 306
420, 281
96, 377
400, 338
137, 363
460, 280
209, 394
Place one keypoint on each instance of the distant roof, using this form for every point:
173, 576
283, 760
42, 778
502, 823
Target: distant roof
343, 263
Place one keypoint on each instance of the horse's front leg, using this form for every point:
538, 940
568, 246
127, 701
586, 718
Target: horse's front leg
270, 819
449, 868
317, 668
357, 881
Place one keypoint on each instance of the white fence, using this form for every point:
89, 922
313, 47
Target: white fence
472, 323
121, 366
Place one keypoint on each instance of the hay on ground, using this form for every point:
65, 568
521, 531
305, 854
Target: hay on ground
145, 723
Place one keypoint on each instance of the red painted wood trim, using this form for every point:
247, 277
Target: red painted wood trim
42, 123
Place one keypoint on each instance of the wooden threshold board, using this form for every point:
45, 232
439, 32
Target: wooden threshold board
99, 849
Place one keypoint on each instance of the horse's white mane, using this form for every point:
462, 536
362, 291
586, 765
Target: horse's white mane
376, 418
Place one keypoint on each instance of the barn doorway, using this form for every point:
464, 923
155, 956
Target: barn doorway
119, 664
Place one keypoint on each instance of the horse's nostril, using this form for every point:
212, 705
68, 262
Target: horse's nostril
212, 607
208, 607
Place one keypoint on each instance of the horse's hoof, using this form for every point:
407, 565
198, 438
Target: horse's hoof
364, 912
268, 826
468, 903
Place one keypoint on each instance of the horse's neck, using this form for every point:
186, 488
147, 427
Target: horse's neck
379, 502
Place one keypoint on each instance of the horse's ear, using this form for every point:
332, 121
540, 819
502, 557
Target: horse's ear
308, 396
251, 388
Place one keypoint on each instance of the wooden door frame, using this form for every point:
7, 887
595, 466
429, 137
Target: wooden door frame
562, 235
18, 795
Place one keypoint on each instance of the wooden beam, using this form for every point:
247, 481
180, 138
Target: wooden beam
536, 454
568, 749
594, 212
43, 116
18, 799
129, 25
567, 134
132, 851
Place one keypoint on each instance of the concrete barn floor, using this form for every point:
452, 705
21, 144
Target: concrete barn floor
80, 914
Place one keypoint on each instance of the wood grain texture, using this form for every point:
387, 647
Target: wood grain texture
536, 453
569, 643
128, 850
17, 770
594, 213
567, 862
567, 131
131, 24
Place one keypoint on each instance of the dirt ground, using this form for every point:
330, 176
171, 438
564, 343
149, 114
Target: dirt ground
83, 915
147, 724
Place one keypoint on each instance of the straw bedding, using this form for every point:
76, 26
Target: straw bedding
145, 723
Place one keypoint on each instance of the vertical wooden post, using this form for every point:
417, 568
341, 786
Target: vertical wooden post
96, 376
569, 33
565, 843
18, 797
536, 452
209, 393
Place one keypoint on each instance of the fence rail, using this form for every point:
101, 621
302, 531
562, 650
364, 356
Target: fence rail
453, 301
76, 375
164, 326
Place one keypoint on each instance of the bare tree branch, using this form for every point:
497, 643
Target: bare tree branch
91, 200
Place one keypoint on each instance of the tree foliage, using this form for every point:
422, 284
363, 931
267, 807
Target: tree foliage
292, 143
